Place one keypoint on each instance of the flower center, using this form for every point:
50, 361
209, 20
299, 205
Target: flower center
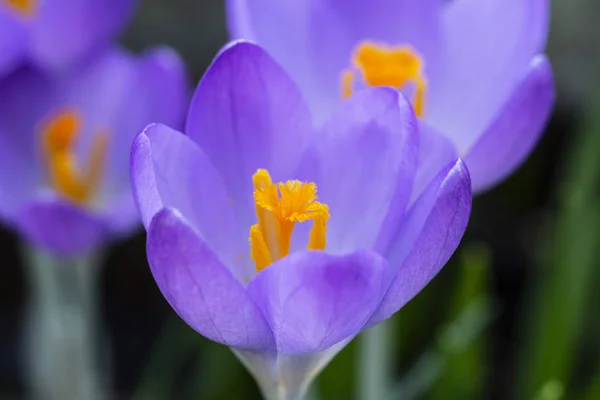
379, 65
278, 207
24, 7
59, 137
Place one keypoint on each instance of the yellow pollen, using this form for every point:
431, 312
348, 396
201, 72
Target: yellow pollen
24, 7
387, 66
278, 207
59, 137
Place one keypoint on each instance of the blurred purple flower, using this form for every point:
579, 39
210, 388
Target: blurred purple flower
64, 145
284, 310
54, 34
474, 69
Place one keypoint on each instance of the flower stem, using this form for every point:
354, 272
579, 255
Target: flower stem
376, 361
62, 327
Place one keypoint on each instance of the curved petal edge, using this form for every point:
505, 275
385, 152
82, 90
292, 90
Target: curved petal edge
510, 138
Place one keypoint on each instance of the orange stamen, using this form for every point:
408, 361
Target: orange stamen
388, 66
59, 137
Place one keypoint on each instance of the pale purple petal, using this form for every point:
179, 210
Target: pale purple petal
435, 152
313, 300
61, 227
200, 288
489, 45
429, 235
13, 40
118, 95
364, 164
314, 40
513, 134
248, 114
169, 170
157, 92
66, 31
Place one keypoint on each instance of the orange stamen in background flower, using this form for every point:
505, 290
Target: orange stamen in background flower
278, 207
388, 66
59, 137
24, 7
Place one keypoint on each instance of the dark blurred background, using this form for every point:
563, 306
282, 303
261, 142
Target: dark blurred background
513, 315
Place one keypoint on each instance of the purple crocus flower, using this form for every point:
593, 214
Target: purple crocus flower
284, 241
54, 34
64, 145
474, 69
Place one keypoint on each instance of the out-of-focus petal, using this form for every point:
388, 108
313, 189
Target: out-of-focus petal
61, 227
169, 170
364, 164
20, 176
314, 40
313, 300
248, 114
13, 41
429, 235
26, 96
200, 288
118, 95
66, 31
157, 93
435, 152
489, 47
513, 134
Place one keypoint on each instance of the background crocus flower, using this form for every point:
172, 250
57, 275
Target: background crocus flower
283, 241
64, 145
473, 69
54, 34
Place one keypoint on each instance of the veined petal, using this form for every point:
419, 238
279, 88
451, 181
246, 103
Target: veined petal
313, 300
200, 288
364, 164
435, 152
169, 170
427, 238
248, 114
66, 31
60, 227
484, 61
513, 134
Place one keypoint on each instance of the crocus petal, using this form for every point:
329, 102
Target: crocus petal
26, 95
313, 300
129, 92
315, 40
169, 170
200, 288
364, 164
68, 30
13, 41
248, 114
61, 228
156, 92
515, 131
429, 235
435, 152
484, 61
